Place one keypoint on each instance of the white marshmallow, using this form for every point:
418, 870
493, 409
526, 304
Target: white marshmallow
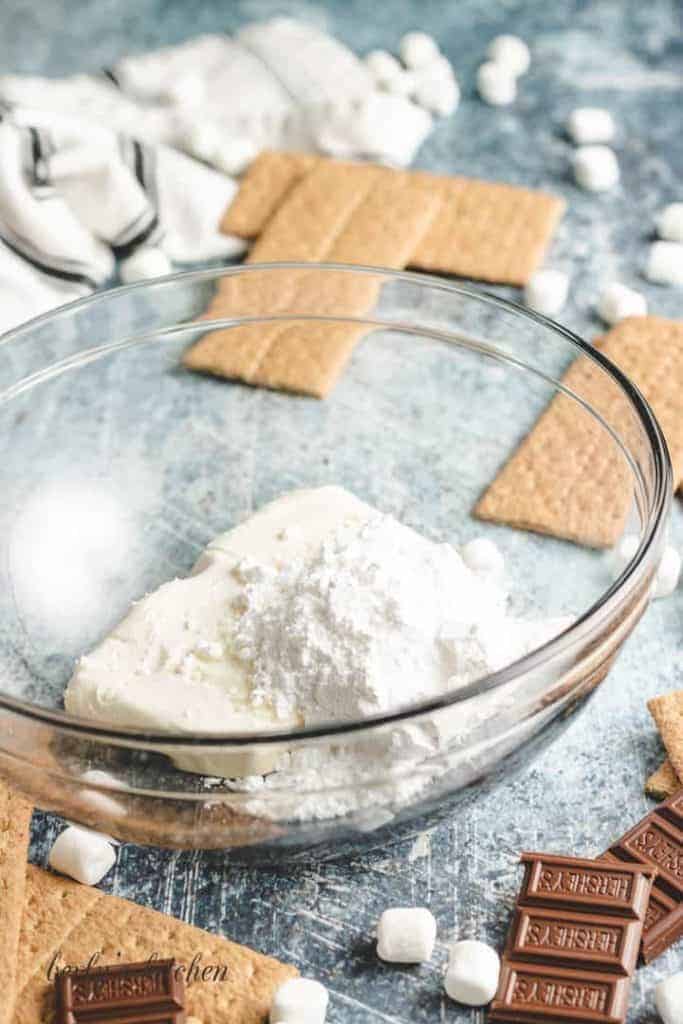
595, 168
299, 1001
484, 557
406, 935
403, 84
438, 69
621, 555
100, 778
668, 573
617, 302
233, 155
496, 85
512, 52
82, 854
590, 124
418, 49
546, 291
665, 263
383, 67
472, 973
669, 999
101, 802
670, 222
203, 140
87, 828
398, 125
148, 261
440, 95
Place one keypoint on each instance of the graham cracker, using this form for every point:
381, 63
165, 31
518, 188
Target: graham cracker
338, 213
663, 783
485, 230
667, 712
15, 825
269, 178
311, 209
566, 478
75, 921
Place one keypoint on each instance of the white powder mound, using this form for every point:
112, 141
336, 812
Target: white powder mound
319, 608
375, 618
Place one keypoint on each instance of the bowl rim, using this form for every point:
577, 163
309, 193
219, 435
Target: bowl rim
609, 601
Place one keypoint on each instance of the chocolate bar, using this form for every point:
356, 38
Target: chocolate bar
657, 840
573, 943
571, 883
152, 992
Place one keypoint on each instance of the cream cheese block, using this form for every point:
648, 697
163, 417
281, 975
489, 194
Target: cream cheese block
170, 664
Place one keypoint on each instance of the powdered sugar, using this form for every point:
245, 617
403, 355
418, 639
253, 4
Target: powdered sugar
320, 608
375, 618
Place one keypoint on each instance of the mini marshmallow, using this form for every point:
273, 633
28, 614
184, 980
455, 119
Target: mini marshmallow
438, 70
595, 168
668, 573
406, 935
472, 973
665, 263
546, 291
617, 302
383, 67
496, 85
512, 52
669, 999
484, 557
82, 854
590, 124
440, 95
203, 140
98, 801
299, 1001
670, 222
100, 778
418, 49
148, 261
403, 84
621, 555
234, 155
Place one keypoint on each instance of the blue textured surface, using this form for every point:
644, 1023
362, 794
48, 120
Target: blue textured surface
588, 787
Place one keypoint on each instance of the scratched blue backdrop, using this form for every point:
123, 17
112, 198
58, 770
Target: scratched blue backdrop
588, 786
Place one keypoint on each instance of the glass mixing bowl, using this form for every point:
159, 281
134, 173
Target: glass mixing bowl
119, 465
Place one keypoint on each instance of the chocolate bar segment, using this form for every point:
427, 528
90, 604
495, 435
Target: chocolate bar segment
657, 840
672, 809
573, 943
576, 940
572, 883
536, 993
152, 991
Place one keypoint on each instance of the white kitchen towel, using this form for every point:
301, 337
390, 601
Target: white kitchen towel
76, 198
47, 257
110, 179
91, 168
274, 85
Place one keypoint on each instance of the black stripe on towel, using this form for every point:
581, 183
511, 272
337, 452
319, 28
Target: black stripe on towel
111, 77
122, 252
45, 268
